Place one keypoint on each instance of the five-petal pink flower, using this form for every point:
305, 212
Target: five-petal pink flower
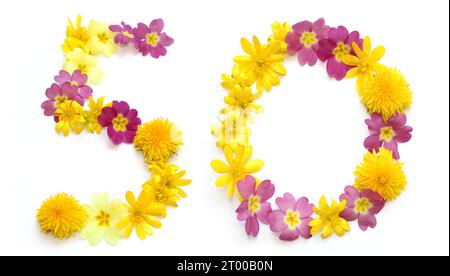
304, 39
387, 134
292, 219
77, 80
151, 40
362, 206
57, 94
255, 207
125, 34
337, 45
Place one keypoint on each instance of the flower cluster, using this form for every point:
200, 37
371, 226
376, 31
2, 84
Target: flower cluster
73, 107
382, 90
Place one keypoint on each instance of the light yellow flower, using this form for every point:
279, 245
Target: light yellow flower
101, 39
232, 131
237, 77
71, 115
141, 214
381, 173
279, 32
238, 167
263, 63
102, 223
328, 219
76, 37
365, 63
87, 64
62, 216
95, 109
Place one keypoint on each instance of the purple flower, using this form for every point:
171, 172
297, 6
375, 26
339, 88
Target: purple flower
151, 40
77, 80
337, 45
255, 206
362, 205
292, 219
125, 34
304, 40
387, 134
57, 94
121, 121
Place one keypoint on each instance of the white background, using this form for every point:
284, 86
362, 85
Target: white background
310, 135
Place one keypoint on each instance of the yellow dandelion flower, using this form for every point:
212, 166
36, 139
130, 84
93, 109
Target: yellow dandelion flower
237, 77
62, 216
171, 176
263, 63
239, 165
279, 32
328, 219
381, 173
158, 140
95, 109
141, 214
71, 115
365, 62
101, 39
387, 93
76, 37
87, 64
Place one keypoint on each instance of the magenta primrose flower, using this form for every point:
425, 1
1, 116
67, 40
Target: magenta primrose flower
151, 40
387, 134
121, 121
362, 206
292, 219
125, 34
77, 80
255, 207
304, 40
337, 45
57, 94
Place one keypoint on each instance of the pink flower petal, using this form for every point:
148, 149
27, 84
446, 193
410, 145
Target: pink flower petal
165, 40
306, 55
252, 226
397, 121
351, 195
85, 91
354, 37
276, 219
242, 207
265, 190
320, 29
373, 142
392, 146
367, 220
246, 187
304, 229
156, 25
301, 27
375, 199
293, 42
403, 135
289, 235
49, 107
337, 69
338, 34
63, 77
375, 123
325, 49
304, 208
117, 136
349, 214
286, 202
53, 91
263, 213
128, 136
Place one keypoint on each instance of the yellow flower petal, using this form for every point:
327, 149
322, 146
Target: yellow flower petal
219, 166
377, 54
352, 73
350, 60
367, 46
222, 181
247, 46
253, 166
327, 231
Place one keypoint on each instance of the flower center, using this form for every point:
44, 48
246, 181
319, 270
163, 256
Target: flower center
120, 123
152, 39
292, 219
382, 180
102, 37
364, 65
308, 39
341, 50
103, 218
253, 204
82, 67
127, 34
74, 83
60, 99
362, 205
387, 133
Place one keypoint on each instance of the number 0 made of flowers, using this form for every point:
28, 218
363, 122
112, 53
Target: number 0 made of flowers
74, 109
382, 90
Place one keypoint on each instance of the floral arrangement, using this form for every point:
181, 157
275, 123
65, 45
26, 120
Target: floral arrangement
74, 109
383, 91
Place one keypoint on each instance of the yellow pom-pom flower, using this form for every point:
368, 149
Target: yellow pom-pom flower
381, 173
71, 115
239, 165
387, 93
158, 140
328, 219
87, 64
76, 37
62, 216
279, 32
101, 39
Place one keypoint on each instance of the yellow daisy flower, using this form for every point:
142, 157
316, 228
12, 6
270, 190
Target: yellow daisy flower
71, 115
158, 140
381, 173
237, 77
163, 194
262, 63
238, 167
328, 219
387, 93
76, 37
279, 32
62, 216
171, 176
87, 64
103, 217
141, 214
244, 98
101, 39
365, 62
95, 109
